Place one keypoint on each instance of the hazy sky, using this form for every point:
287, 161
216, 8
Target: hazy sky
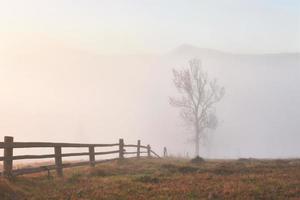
153, 26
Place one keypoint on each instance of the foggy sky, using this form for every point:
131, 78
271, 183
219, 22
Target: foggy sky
135, 27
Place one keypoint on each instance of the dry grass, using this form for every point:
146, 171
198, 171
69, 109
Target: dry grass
164, 179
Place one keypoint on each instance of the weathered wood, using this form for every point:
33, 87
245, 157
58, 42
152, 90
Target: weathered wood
121, 148
92, 156
33, 156
63, 155
58, 161
165, 152
143, 147
51, 144
138, 148
149, 150
8, 157
155, 154
75, 154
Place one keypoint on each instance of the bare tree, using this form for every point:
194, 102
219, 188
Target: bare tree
198, 96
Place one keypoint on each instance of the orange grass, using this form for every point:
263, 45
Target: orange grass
164, 179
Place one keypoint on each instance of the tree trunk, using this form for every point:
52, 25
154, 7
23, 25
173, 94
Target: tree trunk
197, 139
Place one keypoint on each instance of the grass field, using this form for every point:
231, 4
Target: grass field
164, 179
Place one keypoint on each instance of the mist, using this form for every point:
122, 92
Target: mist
77, 96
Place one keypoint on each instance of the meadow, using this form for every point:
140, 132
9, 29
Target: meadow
170, 178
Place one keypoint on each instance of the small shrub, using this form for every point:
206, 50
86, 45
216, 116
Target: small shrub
197, 160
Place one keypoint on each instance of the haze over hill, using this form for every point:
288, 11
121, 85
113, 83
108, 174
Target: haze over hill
259, 111
56, 94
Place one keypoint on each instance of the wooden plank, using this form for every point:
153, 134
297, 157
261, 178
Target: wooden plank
58, 161
20, 157
149, 150
51, 144
121, 148
155, 153
8, 157
33, 156
75, 154
92, 156
138, 153
165, 152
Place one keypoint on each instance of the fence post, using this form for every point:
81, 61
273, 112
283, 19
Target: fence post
121, 148
58, 161
8, 156
149, 150
138, 148
165, 152
92, 156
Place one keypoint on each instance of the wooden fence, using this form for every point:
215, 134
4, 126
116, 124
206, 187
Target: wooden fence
8, 145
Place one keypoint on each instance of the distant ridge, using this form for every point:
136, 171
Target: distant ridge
191, 50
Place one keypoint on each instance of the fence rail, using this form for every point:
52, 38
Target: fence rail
8, 145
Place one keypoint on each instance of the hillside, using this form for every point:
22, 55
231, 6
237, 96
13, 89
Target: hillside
164, 179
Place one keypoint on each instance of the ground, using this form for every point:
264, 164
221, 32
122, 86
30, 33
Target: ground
163, 179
